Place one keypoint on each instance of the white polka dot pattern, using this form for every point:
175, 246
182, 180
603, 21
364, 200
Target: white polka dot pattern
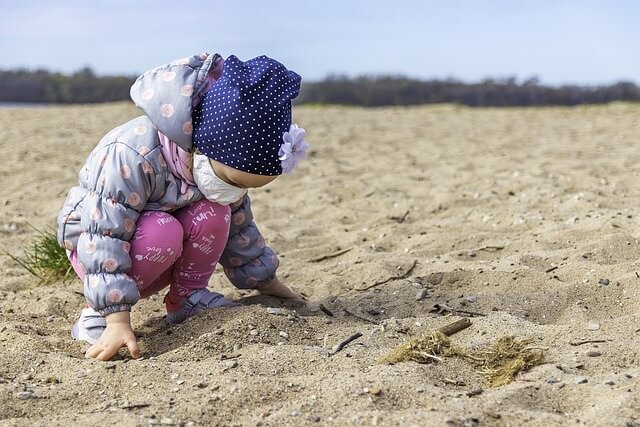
241, 120
168, 93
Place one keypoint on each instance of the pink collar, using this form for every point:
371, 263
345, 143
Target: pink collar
178, 161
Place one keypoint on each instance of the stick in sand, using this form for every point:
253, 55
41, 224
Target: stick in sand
343, 344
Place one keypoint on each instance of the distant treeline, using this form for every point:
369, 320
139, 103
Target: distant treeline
41, 86
84, 86
379, 91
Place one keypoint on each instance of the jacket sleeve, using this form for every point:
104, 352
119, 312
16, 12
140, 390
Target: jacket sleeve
118, 190
248, 262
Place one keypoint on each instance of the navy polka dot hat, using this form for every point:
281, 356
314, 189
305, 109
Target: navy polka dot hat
241, 120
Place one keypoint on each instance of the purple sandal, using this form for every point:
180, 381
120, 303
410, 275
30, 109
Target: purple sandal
89, 327
198, 301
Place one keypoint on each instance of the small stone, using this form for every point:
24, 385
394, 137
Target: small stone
253, 332
50, 319
180, 382
494, 415
471, 298
27, 394
231, 364
153, 421
553, 381
609, 382
315, 418
273, 310
604, 282
471, 422
475, 392
582, 380
421, 294
593, 326
167, 422
283, 334
375, 391
593, 353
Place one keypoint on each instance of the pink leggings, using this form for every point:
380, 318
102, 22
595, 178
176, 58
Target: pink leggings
180, 249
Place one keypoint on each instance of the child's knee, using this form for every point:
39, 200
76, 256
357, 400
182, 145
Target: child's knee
159, 230
209, 218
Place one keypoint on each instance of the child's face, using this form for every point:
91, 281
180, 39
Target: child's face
239, 178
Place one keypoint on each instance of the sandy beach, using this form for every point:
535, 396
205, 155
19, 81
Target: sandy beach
402, 220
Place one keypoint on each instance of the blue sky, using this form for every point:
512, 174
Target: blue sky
560, 41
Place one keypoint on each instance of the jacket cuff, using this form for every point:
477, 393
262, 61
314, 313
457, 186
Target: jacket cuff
114, 309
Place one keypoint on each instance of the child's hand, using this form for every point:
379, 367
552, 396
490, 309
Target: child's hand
278, 289
117, 334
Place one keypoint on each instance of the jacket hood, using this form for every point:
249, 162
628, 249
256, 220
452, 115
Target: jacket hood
168, 93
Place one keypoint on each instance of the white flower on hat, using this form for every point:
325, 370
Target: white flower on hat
293, 149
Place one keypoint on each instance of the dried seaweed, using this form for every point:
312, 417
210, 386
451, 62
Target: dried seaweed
499, 363
422, 350
502, 361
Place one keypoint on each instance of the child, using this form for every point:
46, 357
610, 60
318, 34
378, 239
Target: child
163, 197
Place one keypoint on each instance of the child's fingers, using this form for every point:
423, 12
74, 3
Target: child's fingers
134, 350
108, 352
93, 351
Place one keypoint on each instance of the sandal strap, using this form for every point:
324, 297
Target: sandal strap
201, 300
91, 322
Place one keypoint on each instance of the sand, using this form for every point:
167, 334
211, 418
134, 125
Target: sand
523, 220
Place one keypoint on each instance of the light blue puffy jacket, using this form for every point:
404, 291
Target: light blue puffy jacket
126, 173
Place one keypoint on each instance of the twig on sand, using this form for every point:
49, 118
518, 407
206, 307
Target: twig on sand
325, 310
400, 218
490, 248
388, 279
331, 255
576, 343
454, 327
344, 343
549, 270
366, 319
135, 406
441, 308
431, 356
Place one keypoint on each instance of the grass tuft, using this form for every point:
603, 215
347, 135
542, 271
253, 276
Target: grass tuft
45, 259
